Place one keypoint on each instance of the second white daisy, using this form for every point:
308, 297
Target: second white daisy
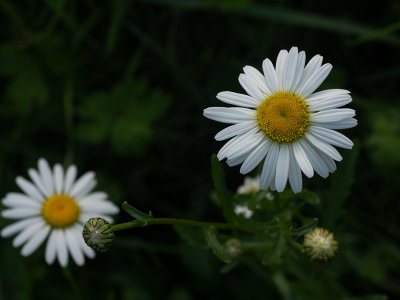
55, 205
283, 122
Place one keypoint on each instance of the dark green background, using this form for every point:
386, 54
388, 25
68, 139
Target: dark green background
119, 87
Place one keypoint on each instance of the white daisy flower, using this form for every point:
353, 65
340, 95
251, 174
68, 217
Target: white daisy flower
56, 205
250, 185
283, 122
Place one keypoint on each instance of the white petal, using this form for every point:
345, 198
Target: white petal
18, 226
25, 234
102, 207
342, 124
86, 190
328, 161
85, 216
332, 115
280, 67
70, 178
329, 103
36, 240
29, 189
81, 183
269, 167
230, 115
74, 247
251, 87
34, 175
301, 59
258, 79
315, 80
295, 179
255, 157
61, 247
282, 168
325, 94
302, 160
58, 172
316, 161
46, 175
313, 65
289, 70
51, 247
270, 76
20, 212
97, 196
332, 137
238, 99
19, 200
235, 129
222, 153
324, 147
246, 145
85, 248
237, 160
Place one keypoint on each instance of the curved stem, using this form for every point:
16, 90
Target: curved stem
186, 222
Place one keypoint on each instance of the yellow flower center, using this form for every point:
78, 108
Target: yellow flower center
60, 211
283, 117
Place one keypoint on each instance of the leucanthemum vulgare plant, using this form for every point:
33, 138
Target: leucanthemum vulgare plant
289, 129
282, 125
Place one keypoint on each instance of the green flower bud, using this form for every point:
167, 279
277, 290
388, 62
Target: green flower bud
97, 234
320, 244
233, 247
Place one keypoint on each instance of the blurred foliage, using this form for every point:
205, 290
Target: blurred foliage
118, 87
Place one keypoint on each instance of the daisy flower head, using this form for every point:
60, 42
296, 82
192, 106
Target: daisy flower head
284, 122
55, 205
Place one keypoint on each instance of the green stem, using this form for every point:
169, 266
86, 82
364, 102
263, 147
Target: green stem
173, 221
72, 282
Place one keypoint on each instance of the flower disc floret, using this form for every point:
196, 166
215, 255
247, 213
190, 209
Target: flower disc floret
283, 117
60, 211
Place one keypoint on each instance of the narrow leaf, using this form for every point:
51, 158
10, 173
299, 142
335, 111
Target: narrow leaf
135, 213
215, 245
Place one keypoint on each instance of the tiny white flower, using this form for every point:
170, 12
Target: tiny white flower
249, 186
55, 205
283, 122
269, 196
243, 210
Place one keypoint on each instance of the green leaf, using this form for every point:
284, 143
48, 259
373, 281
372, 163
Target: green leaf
124, 116
223, 196
215, 245
309, 197
273, 257
135, 213
304, 229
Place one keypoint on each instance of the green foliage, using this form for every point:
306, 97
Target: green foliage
216, 246
118, 87
135, 213
124, 116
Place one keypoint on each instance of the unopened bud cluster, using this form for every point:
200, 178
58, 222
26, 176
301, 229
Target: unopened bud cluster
320, 244
98, 234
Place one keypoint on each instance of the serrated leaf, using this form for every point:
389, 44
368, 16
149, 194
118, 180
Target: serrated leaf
135, 213
215, 245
